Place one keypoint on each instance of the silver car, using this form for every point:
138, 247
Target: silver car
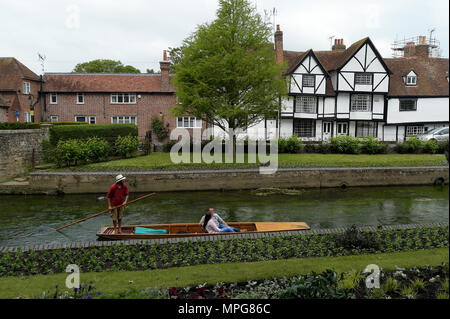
438, 134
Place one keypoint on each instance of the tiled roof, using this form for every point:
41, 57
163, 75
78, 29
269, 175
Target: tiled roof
96, 83
431, 73
431, 76
10, 68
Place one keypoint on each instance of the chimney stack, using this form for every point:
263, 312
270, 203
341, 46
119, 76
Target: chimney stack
165, 77
338, 45
420, 50
279, 44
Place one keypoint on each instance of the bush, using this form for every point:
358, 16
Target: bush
345, 144
47, 151
109, 132
70, 152
431, 147
291, 145
415, 145
161, 131
95, 149
311, 148
126, 146
371, 145
443, 147
19, 126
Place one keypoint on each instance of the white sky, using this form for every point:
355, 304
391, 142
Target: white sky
137, 31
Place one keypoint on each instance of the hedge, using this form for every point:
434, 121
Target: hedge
109, 132
65, 123
19, 126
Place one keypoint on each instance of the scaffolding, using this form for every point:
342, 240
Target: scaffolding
398, 47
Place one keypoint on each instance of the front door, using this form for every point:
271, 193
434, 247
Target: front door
327, 130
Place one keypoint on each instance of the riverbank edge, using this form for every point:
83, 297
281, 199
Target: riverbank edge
51, 183
81, 245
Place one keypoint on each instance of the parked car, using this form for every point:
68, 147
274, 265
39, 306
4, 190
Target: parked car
438, 134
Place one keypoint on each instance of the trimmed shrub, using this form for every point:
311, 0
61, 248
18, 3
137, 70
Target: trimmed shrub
291, 145
95, 149
415, 144
65, 123
431, 147
70, 152
371, 145
126, 146
325, 148
345, 144
311, 148
109, 132
19, 126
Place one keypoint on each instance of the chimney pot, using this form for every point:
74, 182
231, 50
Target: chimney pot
165, 55
278, 27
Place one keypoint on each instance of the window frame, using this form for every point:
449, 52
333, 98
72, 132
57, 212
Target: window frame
78, 98
92, 117
122, 97
407, 110
369, 106
309, 76
297, 130
373, 126
54, 116
364, 74
341, 125
125, 118
85, 119
411, 77
300, 104
56, 98
189, 119
409, 127
26, 88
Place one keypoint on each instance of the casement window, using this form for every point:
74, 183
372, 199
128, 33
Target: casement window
415, 130
188, 122
123, 98
327, 128
123, 120
80, 98
26, 88
306, 104
27, 117
342, 128
363, 79
304, 128
411, 80
53, 118
366, 128
92, 120
308, 80
408, 105
81, 119
53, 98
361, 103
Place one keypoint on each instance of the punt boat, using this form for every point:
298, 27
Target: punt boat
194, 230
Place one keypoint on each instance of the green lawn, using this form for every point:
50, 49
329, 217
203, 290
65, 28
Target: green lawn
115, 282
162, 161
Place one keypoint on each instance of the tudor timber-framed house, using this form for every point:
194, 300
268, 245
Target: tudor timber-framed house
354, 91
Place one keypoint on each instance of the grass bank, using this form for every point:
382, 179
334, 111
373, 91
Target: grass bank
162, 161
116, 282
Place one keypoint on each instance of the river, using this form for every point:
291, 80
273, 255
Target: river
30, 220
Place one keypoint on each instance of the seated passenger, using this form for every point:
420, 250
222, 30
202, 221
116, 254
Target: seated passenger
210, 226
218, 221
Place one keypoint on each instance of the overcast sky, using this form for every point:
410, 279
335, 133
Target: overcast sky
137, 31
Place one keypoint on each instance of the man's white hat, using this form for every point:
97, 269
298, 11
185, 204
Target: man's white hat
120, 178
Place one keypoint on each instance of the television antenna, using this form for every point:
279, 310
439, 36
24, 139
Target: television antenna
331, 40
42, 59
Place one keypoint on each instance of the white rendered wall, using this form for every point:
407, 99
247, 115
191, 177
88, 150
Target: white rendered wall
428, 110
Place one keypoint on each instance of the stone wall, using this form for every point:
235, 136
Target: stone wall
19, 149
145, 182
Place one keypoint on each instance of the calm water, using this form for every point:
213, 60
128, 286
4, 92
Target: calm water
26, 220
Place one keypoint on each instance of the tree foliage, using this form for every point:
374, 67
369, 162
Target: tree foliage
226, 71
104, 66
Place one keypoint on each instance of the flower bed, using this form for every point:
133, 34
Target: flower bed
414, 283
158, 256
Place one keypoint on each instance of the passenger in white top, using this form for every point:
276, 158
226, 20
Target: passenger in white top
213, 224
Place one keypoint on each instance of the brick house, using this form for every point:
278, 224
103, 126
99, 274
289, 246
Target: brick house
19, 90
112, 98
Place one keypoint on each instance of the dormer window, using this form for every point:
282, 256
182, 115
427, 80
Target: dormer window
411, 79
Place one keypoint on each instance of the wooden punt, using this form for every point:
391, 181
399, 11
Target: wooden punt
194, 230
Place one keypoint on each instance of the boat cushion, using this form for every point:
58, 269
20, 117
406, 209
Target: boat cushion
148, 231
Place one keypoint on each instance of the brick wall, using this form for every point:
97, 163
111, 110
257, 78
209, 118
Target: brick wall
18, 148
3, 114
99, 105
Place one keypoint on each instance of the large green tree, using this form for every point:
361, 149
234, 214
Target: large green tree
104, 66
226, 71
